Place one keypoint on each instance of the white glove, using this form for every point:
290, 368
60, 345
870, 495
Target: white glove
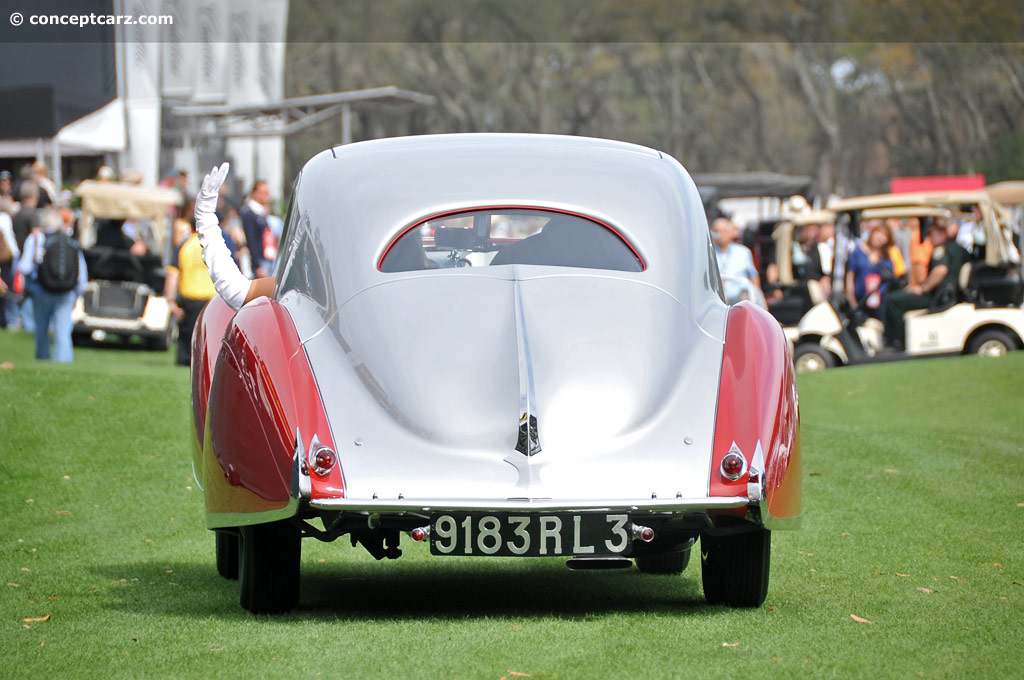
227, 278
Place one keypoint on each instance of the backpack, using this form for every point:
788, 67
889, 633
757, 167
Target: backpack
58, 271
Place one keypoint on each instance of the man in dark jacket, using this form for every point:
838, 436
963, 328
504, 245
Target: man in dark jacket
254, 222
943, 272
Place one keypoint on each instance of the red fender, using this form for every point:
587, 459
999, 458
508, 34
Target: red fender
262, 393
757, 403
209, 331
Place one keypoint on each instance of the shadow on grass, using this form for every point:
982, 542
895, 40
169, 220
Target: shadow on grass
441, 588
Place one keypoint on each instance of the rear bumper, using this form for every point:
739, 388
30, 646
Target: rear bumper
529, 505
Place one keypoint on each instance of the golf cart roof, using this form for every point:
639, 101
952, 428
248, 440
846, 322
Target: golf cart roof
908, 199
905, 211
1007, 193
752, 184
116, 200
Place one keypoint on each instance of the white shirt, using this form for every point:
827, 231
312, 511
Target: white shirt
735, 262
7, 233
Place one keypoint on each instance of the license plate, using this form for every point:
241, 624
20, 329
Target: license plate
534, 535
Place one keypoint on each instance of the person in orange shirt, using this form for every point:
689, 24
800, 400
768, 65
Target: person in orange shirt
920, 252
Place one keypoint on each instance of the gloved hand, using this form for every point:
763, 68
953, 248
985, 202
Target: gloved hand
227, 279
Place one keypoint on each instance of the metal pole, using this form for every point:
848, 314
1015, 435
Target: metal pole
346, 124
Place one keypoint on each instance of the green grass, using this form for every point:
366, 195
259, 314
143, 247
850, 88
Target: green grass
913, 481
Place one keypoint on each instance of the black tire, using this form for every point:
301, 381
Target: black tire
810, 357
162, 343
734, 569
665, 563
992, 343
269, 579
227, 554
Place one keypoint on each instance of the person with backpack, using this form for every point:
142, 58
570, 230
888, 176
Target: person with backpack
53, 267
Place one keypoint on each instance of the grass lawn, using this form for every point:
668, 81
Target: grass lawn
914, 510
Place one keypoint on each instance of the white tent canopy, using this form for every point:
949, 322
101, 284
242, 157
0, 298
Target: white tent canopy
99, 132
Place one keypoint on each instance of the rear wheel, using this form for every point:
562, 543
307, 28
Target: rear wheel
734, 568
269, 579
810, 357
227, 554
992, 344
665, 563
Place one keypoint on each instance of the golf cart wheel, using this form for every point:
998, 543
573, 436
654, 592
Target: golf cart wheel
665, 563
810, 357
992, 344
227, 554
163, 342
734, 569
269, 578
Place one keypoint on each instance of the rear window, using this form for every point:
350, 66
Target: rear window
494, 237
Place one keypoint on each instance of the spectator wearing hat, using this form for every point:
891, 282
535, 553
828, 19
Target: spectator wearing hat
943, 271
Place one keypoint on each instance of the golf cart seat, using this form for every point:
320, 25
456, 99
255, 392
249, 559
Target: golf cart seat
117, 264
988, 286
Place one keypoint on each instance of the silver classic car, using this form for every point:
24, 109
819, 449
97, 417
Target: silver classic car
501, 345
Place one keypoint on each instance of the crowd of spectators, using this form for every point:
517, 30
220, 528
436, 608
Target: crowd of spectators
895, 265
34, 212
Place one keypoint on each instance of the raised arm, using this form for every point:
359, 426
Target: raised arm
229, 281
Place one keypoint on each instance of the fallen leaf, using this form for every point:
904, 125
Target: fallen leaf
519, 675
730, 644
1016, 583
26, 569
13, 585
30, 500
1020, 505
997, 564
66, 477
901, 575
37, 619
7, 365
42, 644
925, 590
64, 513
846, 533
891, 471
773, 608
858, 619
513, 627
53, 597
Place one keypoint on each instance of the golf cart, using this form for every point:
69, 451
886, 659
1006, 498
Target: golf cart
982, 314
124, 295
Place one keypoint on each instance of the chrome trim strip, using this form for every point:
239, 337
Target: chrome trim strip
528, 442
524, 505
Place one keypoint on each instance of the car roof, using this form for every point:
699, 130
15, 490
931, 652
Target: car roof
354, 200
